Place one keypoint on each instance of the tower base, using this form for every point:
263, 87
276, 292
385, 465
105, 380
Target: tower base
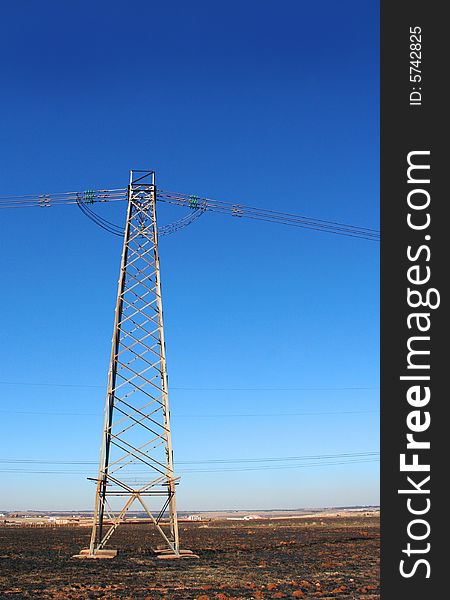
100, 554
163, 554
168, 554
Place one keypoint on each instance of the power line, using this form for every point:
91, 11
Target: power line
196, 416
250, 464
206, 461
197, 389
196, 203
199, 416
63, 198
219, 470
278, 467
98, 220
272, 389
240, 210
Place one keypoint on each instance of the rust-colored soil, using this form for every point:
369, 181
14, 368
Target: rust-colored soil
297, 558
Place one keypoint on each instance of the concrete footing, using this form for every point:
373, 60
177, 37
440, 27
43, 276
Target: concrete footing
163, 554
100, 554
168, 554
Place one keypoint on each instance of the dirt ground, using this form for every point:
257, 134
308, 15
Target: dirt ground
296, 558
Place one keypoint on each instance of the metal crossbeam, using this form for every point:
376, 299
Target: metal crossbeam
136, 432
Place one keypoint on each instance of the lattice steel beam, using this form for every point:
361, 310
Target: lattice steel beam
136, 459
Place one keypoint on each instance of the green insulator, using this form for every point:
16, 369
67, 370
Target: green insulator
193, 201
89, 196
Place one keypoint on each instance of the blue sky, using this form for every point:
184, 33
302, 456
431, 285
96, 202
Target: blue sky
271, 104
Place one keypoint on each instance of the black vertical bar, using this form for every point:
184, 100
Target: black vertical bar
413, 128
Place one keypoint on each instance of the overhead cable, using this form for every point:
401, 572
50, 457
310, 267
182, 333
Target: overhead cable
197, 204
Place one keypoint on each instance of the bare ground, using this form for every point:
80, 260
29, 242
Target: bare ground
295, 558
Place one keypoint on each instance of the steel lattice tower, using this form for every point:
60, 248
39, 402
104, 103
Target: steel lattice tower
136, 462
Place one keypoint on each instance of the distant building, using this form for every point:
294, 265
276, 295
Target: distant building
58, 521
194, 518
244, 518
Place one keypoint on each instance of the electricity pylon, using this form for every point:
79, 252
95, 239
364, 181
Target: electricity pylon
136, 459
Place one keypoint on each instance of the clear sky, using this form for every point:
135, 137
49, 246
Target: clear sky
271, 104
